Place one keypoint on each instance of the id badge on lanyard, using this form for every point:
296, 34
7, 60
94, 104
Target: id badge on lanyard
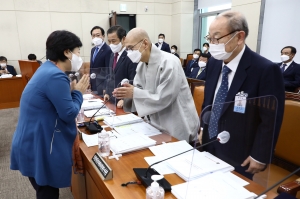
240, 102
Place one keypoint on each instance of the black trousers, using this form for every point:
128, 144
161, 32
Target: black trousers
44, 192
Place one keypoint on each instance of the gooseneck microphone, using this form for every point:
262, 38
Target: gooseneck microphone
94, 127
279, 182
142, 173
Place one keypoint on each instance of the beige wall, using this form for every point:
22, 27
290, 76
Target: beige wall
251, 10
25, 25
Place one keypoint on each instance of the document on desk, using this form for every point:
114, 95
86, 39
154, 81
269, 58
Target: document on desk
92, 104
103, 111
195, 164
134, 142
164, 151
212, 186
92, 140
122, 120
140, 127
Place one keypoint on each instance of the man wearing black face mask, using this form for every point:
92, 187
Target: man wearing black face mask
290, 70
234, 68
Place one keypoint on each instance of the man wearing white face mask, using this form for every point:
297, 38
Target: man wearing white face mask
192, 63
199, 72
290, 70
100, 55
161, 44
6, 69
234, 68
160, 91
122, 66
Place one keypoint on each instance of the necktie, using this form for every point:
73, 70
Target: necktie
218, 103
95, 53
115, 60
283, 68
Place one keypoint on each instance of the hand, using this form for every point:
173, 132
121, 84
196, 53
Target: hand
83, 84
120, 104
124, 92
2, 71
200, 136
106, 97
254, 166
72, 85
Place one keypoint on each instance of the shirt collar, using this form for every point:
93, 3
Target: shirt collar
233, 64
100, 46
121, 52
289, 63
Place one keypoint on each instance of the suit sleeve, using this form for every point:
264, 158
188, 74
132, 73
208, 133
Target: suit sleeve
131, 70
267, 132
107, 58
66, 103
168, 48
296, 82
13, 71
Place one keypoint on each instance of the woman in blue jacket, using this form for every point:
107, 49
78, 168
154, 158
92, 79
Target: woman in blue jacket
42, 143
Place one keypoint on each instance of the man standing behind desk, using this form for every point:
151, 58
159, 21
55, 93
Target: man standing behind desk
160, 91
290, 70
121, 65
100, 54
233, 68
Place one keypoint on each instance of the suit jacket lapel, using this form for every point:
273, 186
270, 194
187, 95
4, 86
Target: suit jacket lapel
289, 68
121, 59
216, 70
239, 77
100, 51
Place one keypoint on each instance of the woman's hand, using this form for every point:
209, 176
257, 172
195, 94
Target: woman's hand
82, 85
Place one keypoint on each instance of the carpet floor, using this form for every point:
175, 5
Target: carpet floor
12, 184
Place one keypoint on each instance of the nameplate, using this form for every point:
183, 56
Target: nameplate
101, 166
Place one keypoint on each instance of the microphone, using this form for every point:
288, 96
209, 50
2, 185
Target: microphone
124, 81
142, 173
276, 184
94, 127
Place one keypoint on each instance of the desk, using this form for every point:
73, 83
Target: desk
91, 186
10, 92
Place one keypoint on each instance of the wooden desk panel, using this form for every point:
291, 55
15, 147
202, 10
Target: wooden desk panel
10, 92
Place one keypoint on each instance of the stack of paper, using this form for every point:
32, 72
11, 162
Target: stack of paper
130, 143
92, 104
140, 127
103, 111
122, 120
216, 185
195, 164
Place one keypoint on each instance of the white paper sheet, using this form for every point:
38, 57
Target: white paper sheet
103, 111
140, 127
90, 140
162, 168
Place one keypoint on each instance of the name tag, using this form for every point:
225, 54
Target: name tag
240, 102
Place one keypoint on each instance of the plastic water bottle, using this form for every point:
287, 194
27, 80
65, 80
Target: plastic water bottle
104, 143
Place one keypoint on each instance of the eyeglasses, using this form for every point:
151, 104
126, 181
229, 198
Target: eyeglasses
216, 40
131, 47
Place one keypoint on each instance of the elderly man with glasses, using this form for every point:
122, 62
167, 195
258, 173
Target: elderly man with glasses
234, 68
160, 91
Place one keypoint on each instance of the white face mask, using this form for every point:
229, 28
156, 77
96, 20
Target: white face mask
97, 41
173, 51
218, 50
3, 65
135, 55
201, 64
284, 58
204, 48
160, 40
195, 56
76, 62
115, 48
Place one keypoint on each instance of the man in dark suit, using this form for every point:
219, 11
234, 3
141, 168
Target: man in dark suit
192, 63
161, 44
199, 72
290, 70
174, 50
233, 69
32, 57
6, 69
120, 63
100, 56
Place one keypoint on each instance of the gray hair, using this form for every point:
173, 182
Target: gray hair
236, 21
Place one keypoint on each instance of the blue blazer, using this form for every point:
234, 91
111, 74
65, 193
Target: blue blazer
125, 68
291, 77
191, 64
10, 69
165, 47
43, 140
249, 132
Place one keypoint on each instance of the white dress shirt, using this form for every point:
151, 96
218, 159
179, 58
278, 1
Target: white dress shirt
159, 45
120, 53
287, 65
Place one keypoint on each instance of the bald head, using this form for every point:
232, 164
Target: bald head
235, 21
137, 34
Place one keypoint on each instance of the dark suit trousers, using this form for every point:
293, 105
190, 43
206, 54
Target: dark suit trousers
44, 192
